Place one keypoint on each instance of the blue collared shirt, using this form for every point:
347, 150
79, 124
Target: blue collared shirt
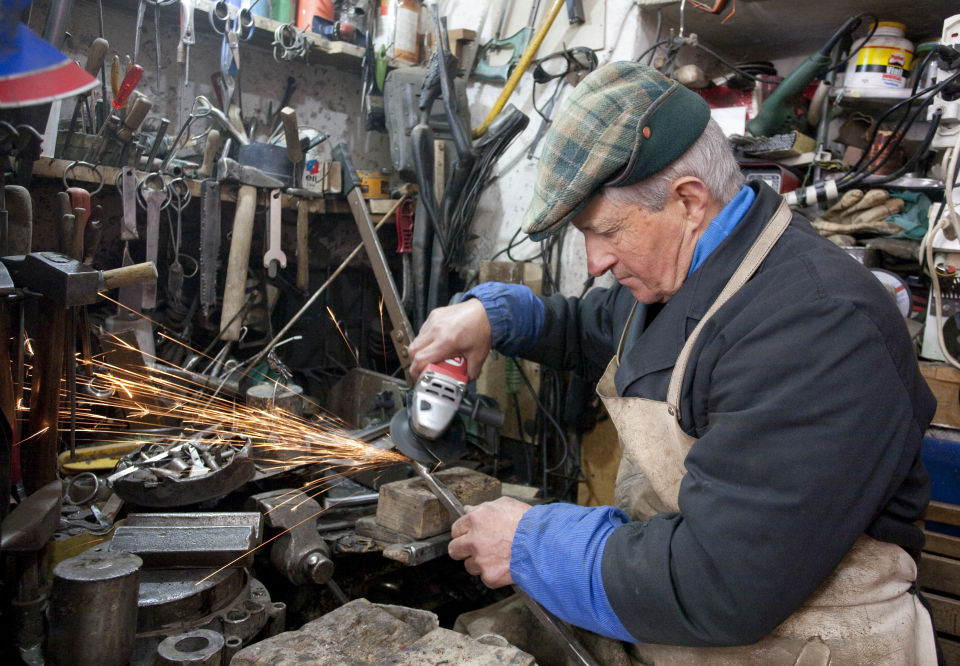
558, 548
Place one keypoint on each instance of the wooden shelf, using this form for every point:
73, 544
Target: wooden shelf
47, 168
774, 29
341, 55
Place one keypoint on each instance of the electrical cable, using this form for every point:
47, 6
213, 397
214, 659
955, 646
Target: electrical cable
653, 52
949, 168
546, 413
652, 48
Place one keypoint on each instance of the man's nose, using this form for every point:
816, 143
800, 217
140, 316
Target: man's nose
599, 260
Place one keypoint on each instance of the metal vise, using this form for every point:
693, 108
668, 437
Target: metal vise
299, 554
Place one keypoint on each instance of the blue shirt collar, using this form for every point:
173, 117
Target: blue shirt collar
721, 226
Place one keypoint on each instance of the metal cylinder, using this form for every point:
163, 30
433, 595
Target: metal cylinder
268, 396
58, 15
193, 647
93, 609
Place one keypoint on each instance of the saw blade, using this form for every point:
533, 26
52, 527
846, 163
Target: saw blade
209, 243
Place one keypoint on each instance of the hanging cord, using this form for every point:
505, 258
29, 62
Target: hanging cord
948, 168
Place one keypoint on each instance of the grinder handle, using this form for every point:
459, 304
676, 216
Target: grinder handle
127, 275
484, 414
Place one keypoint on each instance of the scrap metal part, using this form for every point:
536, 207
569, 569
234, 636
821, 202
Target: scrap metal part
190, 540
93, 610
193, 647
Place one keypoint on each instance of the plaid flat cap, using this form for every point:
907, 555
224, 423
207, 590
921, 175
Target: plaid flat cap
624, 123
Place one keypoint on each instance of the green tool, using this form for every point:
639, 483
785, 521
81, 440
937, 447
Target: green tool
778, 113
517, 42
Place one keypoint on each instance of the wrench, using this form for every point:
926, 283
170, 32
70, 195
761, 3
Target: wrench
155, 200
274, 255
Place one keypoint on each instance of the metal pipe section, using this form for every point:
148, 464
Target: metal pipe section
58, 15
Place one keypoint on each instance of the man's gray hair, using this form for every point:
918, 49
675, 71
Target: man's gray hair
710, 159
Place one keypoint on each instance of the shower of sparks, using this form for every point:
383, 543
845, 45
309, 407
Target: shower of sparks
343, 335
120, 402
166, 397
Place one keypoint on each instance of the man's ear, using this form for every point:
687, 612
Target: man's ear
694, 197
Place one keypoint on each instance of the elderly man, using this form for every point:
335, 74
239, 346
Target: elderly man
764, 387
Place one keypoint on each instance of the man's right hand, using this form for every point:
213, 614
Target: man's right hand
457, 330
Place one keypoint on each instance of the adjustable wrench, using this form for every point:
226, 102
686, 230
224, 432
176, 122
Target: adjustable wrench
274, 255
156, 200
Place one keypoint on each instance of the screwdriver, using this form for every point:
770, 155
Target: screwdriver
130, 82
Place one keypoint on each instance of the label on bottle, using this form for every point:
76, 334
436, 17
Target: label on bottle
405, 38
881, 66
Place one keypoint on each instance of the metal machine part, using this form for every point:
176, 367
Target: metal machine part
299, 554
193, 647
228, 602
190, 539
25, 532
93, 610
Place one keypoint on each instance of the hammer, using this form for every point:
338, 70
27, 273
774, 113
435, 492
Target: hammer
249, 179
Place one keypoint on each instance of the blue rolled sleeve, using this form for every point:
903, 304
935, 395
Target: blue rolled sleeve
556, 557
515, 313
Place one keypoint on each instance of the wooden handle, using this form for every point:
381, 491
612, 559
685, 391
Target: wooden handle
303, 245
209, 151
95, 56
121, 277
289, 118
237, 264
76, 245
135, 118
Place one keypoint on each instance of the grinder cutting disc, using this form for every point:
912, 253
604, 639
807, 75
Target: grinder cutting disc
447, 449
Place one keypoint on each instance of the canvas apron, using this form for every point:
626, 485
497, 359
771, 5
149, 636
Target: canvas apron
863, 613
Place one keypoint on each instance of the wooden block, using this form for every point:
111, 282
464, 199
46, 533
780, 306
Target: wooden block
443, 646
410, 508
946, 613
522, 493
940, 574
951, 652
369, 527
942, 544
944, 381
942, 512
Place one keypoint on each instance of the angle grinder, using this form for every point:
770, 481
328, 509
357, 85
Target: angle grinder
428, 431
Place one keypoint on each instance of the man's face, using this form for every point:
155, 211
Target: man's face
647, 252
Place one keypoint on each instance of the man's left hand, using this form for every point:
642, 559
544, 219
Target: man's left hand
484, 537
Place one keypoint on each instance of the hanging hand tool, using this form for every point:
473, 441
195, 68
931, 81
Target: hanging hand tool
95, 57
235, 27
209, 243
130, 82
274, 256
201, 109
292, 135
154, 200
518, 70
136, 116
405, 249
209, 153
235, 287
178, 200
187, 37
157, 142
518, 42
141, 12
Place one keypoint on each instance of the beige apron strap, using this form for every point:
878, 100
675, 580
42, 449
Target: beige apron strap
758, 252
623, 336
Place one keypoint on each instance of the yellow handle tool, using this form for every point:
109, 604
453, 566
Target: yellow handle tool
521, 67
115, 76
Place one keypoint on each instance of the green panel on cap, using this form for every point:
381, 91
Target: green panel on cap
597, 139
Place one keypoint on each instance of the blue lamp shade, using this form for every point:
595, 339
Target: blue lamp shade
33, 72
